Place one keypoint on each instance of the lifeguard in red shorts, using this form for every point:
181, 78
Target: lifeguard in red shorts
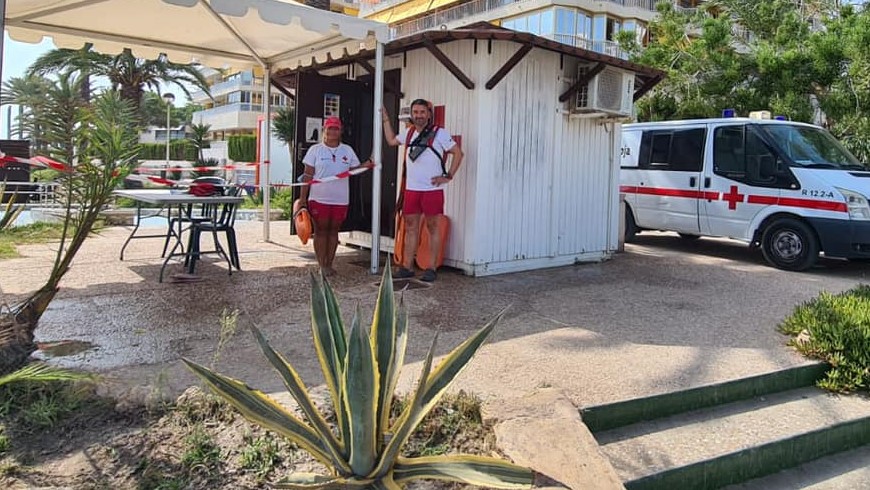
327, 202
428, 147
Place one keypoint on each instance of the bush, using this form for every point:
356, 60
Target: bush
178, 150
835, 329
242, 148
283, 199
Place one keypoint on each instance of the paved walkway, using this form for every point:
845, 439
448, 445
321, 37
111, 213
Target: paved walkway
663, 316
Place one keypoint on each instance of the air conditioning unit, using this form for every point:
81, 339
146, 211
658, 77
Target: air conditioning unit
609, 92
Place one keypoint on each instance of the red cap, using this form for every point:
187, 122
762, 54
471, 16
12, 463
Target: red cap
332, 122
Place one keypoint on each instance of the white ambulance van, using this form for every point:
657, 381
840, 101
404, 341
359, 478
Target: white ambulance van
789, 188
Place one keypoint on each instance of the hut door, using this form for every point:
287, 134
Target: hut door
318, 96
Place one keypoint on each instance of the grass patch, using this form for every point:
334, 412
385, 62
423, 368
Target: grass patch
27, 234
836, 329
261, 454
455, 424
4, 441
201, 453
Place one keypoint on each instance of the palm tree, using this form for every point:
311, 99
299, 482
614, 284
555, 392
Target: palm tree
199, 137
284, 127
28, 92
127, 74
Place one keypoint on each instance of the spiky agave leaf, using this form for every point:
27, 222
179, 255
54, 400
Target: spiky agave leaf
313, 481
337, 326
474, 470
297, 389
327, 345
388, 342
406, 424
360, 391
430, 391
258, 408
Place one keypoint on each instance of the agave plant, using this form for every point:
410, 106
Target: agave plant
361, 372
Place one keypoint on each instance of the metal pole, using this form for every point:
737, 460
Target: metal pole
2, 36
377, 142
168, 112
267, 145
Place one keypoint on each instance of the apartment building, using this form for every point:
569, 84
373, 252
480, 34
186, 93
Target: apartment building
235, 104
589, 24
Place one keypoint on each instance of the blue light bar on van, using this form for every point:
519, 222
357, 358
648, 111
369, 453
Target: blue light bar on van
780, 118
729, 113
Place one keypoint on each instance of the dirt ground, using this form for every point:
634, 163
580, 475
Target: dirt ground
197, 442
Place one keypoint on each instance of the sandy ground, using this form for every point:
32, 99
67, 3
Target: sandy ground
664, 315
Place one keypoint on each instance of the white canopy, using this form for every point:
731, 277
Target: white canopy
272, 34
216, 33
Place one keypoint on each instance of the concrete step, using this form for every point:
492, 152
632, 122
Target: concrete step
738, 441
844, 471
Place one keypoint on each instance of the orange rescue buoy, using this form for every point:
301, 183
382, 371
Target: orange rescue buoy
302, 220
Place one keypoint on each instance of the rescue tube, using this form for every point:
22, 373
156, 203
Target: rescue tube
423, 256
302, 221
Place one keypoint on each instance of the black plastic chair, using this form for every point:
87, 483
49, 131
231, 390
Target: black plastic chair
204, 214
223, 223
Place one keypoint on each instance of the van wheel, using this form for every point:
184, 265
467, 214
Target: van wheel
631, 229
689, 237
790, 244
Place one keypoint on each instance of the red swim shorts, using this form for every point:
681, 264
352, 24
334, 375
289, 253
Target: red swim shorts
428, 203
327, 212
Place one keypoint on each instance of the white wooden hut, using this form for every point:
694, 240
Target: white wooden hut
539, 122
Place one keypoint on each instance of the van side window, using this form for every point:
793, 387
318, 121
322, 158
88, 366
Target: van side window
739, 154
678, 151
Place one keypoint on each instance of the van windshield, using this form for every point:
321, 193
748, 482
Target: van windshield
811, 147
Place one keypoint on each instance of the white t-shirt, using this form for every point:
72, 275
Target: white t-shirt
427, 165
328, 162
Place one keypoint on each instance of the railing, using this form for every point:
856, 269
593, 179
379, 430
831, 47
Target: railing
610, 48
227, 86
41, 194
477, 7
225, 109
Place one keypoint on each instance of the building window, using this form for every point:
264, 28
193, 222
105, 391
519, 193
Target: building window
547, 23
613, 28
565, 21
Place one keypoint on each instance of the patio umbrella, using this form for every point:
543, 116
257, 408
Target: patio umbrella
241, 34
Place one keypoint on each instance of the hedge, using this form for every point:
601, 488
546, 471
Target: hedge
178, 150
242, 148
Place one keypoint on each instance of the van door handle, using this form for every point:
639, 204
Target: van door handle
692, 181
707, 182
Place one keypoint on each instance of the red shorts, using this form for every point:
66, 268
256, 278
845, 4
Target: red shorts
428, 203
327, 212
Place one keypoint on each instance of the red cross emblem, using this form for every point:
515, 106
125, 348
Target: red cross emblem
733, 197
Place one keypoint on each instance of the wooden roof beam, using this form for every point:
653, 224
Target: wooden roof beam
583, 80
451, 66
647, 86
388, 84
508, 66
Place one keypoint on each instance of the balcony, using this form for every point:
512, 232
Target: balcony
230, 116
225, 87
610, 48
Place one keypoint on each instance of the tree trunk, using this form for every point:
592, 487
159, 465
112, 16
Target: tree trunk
17, 330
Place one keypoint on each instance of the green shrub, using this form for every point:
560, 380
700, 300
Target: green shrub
178, 150
835, 329
242, 148
283, 199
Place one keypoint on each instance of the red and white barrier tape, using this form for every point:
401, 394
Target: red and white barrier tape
236, 166
37, 161
343, 175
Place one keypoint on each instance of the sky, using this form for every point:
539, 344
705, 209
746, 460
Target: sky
16, 58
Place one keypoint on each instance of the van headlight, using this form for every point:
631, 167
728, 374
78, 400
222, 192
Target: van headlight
857, 204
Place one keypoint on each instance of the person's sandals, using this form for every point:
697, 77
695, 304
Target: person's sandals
403, 273
428, 275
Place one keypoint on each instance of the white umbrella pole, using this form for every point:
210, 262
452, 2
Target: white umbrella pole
2, 37
265, 164
377, 141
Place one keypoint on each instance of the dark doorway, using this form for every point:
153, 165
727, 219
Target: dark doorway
356, 108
